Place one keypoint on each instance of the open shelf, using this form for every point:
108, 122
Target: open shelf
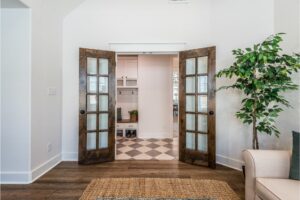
127, 95
127, 87
127, 82
126, 121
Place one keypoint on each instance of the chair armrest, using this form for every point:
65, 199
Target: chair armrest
264, 163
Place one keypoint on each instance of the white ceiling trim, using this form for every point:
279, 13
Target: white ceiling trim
147, 47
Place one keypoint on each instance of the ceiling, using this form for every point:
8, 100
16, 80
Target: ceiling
12, 4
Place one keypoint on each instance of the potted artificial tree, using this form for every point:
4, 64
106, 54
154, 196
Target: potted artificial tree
262, 73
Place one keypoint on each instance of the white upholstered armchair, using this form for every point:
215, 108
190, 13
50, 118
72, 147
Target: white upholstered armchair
267, 174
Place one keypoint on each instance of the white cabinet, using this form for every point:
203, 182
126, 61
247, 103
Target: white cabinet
131, 68
125, 82
127, 73
127, 125
124, 128
127, 95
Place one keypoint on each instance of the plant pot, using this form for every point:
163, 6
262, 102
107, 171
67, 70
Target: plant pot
133, 118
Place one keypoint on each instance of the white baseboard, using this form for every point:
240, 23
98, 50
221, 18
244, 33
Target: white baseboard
15, 178
30, 176
70, 156
229, 162
222, 160
45, 167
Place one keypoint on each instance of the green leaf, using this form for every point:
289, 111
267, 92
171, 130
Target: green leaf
263, 74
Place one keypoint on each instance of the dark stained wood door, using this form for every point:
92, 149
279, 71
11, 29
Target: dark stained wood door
197, 106
97, 106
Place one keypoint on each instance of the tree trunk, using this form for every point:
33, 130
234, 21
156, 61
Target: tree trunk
255, 144
255, 137
254, 132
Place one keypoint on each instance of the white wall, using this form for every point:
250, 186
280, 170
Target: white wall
242, 32
15, 94
45, 74
287, 20
236, 24
228, 24
155, 96
44, 145
136, 21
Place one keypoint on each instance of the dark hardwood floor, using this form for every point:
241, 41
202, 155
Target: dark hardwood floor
68, 179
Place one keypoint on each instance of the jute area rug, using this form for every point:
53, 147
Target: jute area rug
157, 189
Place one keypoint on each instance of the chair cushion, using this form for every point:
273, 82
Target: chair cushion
277, 189
295, 160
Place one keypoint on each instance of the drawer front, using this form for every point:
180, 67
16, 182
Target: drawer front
127, 126
132, 126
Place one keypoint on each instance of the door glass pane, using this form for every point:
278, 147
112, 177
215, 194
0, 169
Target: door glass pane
103, 84
103, 66
103, 103
190, 103
202, 84
103, 121
202, 142
91, 84
103, 140
190, 140
202, 123
91, 121
91, 103
202, 65
190, 84
91, 65
202, 103
190, 66
91, 141
190, 122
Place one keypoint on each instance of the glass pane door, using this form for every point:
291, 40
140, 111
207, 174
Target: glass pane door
197, 106
97, 94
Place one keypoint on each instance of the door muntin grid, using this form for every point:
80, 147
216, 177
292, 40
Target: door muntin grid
97, 106
196, 94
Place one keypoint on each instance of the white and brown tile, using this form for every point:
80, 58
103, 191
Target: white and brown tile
147, 149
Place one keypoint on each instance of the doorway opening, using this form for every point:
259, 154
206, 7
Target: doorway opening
147, 107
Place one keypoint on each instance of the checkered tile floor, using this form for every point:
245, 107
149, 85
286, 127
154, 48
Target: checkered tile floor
147, 149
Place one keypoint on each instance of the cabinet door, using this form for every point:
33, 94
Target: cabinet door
127, 67
131, 68
120, 68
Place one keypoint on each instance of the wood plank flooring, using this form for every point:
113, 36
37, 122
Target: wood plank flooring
68, 179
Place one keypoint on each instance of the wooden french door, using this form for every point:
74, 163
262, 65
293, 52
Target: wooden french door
97, 106
197, 106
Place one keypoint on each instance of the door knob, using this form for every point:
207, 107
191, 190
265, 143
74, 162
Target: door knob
82, 112
211, 112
